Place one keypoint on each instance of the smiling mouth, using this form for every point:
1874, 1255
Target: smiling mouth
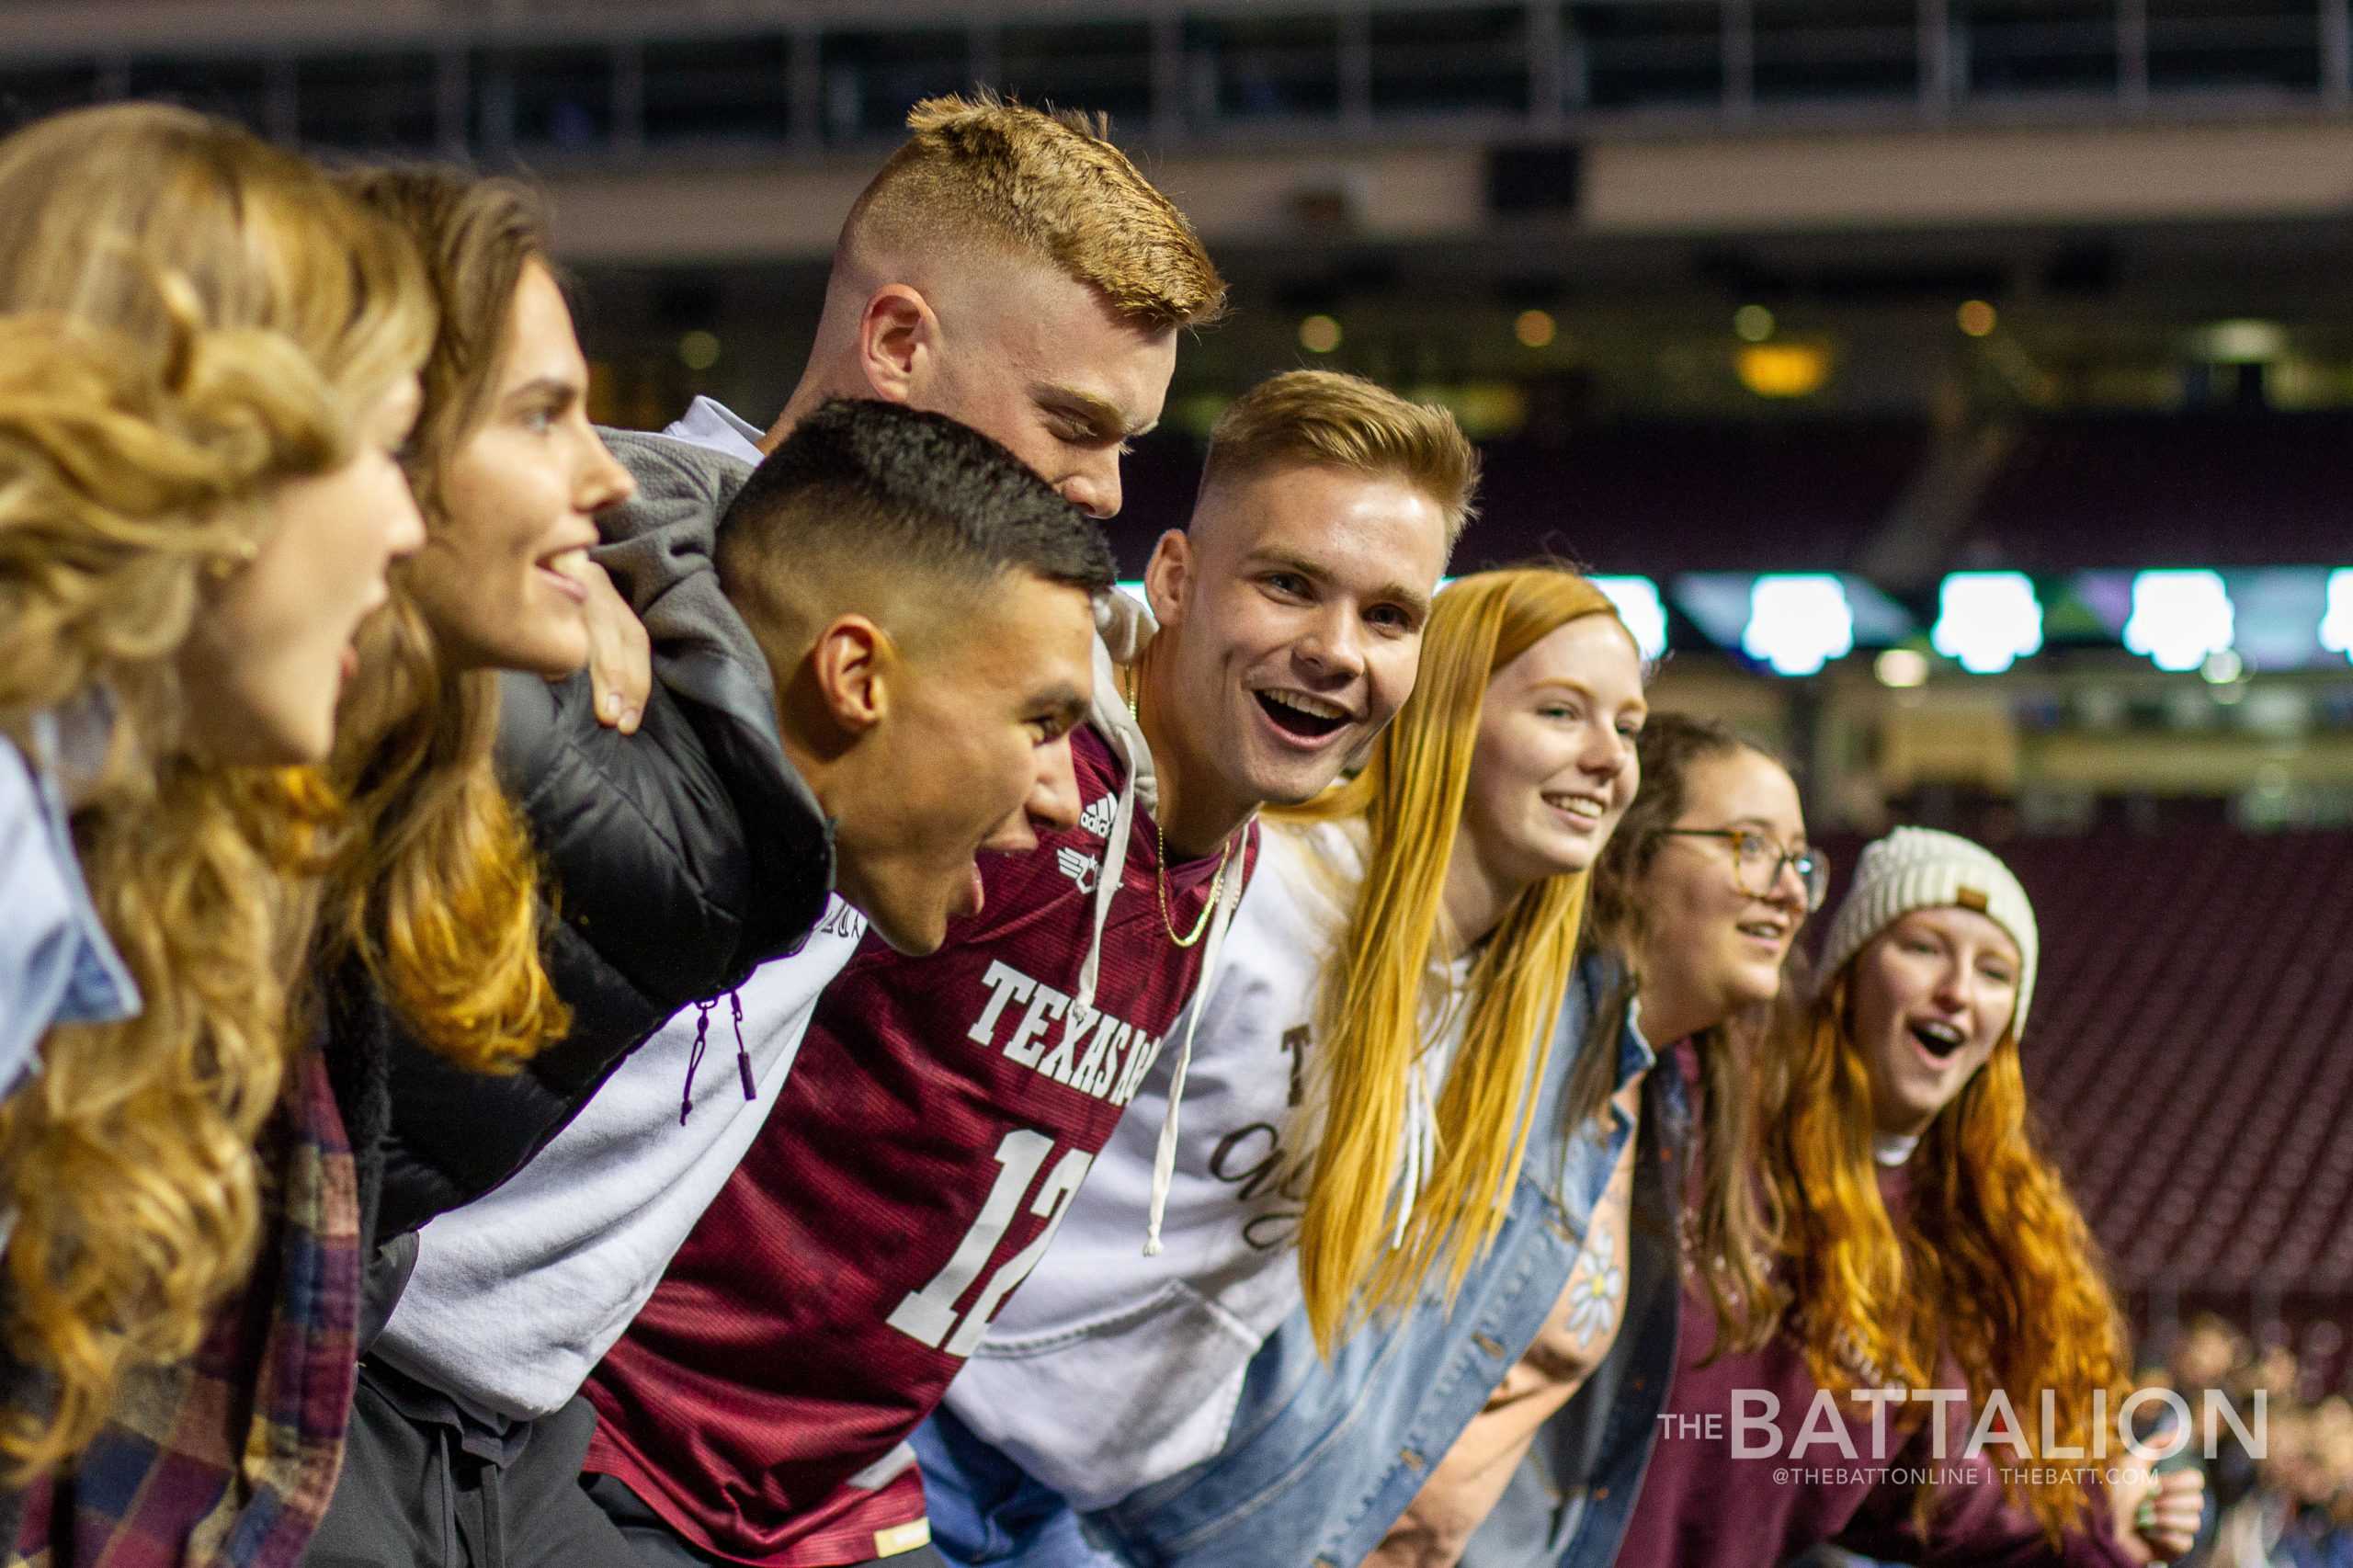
1938, 1039
1296, 713
1763, 931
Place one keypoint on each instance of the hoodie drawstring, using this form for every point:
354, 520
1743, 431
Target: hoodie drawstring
702, 1039
1107, 884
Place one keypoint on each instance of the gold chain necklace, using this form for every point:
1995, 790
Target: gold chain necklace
1133, 679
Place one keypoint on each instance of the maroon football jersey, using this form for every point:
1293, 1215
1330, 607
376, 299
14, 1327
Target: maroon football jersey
940, 1114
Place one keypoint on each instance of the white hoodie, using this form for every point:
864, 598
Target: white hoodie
1112, 1370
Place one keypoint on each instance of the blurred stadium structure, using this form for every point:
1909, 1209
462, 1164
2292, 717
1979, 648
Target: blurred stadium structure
1962, 390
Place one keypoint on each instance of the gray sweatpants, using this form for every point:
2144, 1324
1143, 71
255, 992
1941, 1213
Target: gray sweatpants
423, 1488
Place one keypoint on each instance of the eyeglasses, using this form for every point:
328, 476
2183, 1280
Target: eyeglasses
1758, 858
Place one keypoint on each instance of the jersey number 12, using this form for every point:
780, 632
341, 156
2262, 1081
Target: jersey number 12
930, 1314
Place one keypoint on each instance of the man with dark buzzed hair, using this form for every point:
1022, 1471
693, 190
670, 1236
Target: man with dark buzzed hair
869, 669
926, 614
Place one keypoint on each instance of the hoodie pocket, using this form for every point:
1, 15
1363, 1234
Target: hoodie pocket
1099, 1408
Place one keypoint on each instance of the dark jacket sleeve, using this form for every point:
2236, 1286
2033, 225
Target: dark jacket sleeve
647, 877
675, 859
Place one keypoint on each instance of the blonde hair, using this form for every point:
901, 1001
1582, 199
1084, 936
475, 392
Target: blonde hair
105, 204
1326, 419
438, 892
218, 317
1377, 993
981, 173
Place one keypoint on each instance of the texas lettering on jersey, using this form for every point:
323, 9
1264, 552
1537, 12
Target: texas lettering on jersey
1092, 1051
940, 1116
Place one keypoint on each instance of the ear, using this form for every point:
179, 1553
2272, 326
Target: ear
1168, 576
851, 664
898, 343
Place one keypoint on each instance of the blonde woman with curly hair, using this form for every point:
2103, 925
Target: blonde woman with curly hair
199, 515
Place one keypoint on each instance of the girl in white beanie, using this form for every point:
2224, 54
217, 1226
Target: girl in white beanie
1926, 1243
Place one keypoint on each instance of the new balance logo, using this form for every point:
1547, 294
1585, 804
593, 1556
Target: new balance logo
1097, 818
1079, 866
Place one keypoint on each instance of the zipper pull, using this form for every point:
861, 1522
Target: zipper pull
743, 1057
694, 1059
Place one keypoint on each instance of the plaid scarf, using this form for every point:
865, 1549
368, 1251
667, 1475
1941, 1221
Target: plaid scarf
228, 1460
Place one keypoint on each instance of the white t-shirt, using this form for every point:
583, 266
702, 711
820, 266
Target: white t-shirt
1111, 1369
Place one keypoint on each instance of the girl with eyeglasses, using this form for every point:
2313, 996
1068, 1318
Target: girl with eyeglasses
1700, 896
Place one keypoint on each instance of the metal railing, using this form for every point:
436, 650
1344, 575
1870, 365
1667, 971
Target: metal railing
581, 79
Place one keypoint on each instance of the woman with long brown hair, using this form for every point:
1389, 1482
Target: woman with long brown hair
1701, 897
432, 922
205, 499
430, 917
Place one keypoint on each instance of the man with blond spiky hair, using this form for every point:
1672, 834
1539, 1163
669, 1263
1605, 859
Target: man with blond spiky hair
1011, 269
1007, 269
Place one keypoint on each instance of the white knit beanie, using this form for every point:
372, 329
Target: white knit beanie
1919, 867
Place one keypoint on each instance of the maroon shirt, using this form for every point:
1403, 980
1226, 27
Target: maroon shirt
940, 1116
1702, 1507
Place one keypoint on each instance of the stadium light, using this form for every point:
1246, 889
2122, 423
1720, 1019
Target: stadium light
1798, 622
1641, 609
2336, 620
2178, 618
1901, 669
2276, 616
2240, 342
1782, 369
1988, 620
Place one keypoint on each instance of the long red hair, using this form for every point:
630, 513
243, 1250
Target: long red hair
1993, 1268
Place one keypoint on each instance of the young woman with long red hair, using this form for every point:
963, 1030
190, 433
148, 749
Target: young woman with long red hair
1926, 1244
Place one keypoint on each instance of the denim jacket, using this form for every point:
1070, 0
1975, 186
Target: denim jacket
1322, 1457
56, 964
1572, 1497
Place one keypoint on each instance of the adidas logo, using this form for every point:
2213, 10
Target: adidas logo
1097, 817
1079, 866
